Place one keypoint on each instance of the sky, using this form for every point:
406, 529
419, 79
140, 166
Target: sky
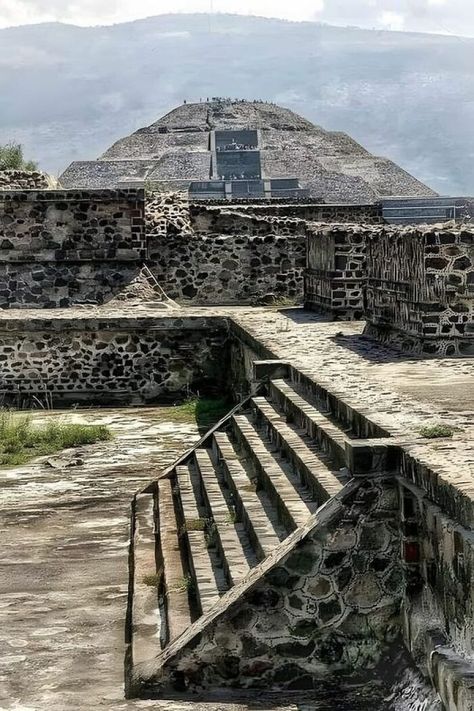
439, 16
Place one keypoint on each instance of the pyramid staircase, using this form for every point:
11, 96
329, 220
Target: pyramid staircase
252, 482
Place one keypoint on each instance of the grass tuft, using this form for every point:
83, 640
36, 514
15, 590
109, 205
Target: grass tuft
21, 439
194, 524
437, 431
153, 580
182, 584
232, 516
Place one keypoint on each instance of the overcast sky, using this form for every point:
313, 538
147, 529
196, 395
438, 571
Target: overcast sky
440, 16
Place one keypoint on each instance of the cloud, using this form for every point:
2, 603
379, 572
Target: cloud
439, 16
455, 16
392, 20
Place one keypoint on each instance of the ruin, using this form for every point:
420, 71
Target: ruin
413, 285
236, 149
316, 536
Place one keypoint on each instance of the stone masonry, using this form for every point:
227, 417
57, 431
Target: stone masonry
129, 360
414, 285
420, 290
59, 248
25, 180
336, 271
328, 606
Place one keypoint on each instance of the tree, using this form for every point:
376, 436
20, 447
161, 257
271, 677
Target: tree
12, 158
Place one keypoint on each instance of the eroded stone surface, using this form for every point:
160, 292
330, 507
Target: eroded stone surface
63, 569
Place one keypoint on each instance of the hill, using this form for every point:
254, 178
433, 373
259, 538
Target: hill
69, 92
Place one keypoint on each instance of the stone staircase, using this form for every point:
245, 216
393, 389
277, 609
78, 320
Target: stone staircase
270, 556
226, 506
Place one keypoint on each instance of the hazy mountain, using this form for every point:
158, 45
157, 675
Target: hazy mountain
67, 92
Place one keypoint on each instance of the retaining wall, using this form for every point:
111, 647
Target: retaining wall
336, 270
61, 248
420, 289
111, 361
413, 285
229, 269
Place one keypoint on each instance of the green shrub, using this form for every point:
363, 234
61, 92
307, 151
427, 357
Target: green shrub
11, 158
437, 431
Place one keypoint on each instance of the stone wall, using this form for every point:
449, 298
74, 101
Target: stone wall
233, 222
413, 285
26, 180
125, 360
229, 269
308, 210
60, 248
438, 605
420, 289
326, 602
336, 271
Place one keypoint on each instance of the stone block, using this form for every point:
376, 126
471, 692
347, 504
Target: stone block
270, 370
371, 459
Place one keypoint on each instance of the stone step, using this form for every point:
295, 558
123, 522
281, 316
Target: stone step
252, 507
293, 500
234, 548
178, 612
208, 579
145, 620
313, 466
330, 437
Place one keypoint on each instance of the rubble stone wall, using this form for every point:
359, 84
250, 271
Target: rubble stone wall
438, 604
413, 285
130, 360
310, 211
60, 248
336, 271
25, 180
420, 288
229, 269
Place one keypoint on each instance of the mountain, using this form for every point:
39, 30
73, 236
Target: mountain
68, 92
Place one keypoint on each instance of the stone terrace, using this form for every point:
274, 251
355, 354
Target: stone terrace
399, 393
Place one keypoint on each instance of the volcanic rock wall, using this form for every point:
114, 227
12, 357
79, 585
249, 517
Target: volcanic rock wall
413, 285
64, 248
227, 269
420, 288
335, 276
126, 360
26, 180
60, 248
217, 254
438, 561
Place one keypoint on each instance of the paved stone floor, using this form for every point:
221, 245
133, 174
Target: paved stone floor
64, 562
